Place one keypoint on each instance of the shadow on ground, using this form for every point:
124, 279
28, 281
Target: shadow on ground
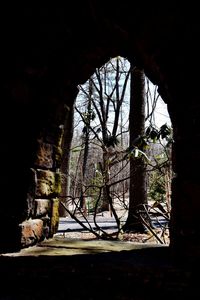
102, 272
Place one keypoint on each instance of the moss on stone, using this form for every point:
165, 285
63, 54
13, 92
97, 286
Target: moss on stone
48, 183
45, 183
54, 216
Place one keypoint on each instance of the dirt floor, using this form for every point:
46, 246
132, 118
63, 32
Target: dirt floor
77, 266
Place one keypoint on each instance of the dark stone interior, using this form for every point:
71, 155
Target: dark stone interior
46, 53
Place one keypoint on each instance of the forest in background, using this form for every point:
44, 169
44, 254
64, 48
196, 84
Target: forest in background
120, 151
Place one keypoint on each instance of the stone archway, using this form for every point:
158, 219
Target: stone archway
47, 52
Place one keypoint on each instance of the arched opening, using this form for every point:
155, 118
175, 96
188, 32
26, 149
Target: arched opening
102, 111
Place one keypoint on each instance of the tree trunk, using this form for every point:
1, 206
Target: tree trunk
138, 185
105, 206
86, 138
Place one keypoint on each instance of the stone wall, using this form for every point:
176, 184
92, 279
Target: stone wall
43, 202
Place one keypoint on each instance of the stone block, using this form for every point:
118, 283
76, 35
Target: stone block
45, 183
31, 232
44, 156
42, 207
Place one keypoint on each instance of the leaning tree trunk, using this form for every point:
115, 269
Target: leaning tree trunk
138, 186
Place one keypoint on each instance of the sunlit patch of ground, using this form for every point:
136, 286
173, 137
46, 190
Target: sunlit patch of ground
128, 237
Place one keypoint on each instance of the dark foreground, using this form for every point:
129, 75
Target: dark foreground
147, 273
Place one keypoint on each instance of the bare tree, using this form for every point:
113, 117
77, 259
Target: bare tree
107, 99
